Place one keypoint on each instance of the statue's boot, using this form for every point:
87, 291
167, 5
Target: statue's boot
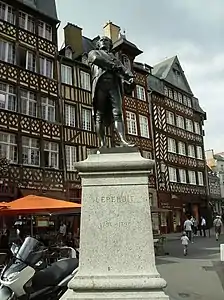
100, 130
119, 126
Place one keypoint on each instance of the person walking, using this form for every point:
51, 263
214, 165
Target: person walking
218, 226
185, 242
188, 228
203, 226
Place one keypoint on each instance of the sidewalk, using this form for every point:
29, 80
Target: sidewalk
177, 235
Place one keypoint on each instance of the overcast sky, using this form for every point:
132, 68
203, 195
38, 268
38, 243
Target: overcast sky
192, 29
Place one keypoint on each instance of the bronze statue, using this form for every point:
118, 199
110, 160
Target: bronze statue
108, 77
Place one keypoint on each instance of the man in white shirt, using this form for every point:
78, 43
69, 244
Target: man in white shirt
203, 226
188, 228
218, 226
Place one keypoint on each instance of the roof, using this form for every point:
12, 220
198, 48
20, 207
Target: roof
122, 41
166, 70
45, 7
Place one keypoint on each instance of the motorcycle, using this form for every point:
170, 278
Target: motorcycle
29, 277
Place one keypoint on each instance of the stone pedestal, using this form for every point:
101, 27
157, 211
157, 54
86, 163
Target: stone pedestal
116, 251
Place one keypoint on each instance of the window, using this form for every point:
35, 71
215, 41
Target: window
7, 13
165, 91
183, 176
191, 151
26, 22
86, 119
200, 178
172, 174
126, 62
170, 118
131, 122
184, 100
189, 125
85, 80
181, 148
26, 59
30, 151
170, 93
48, 109
189, 102
45, 31
144, 126
30, 61
199, 152
180, 122
68, 52
197, 128
175, 95
8, 99
70, 152
140, 92
7, 52
8, 146
51, 155
66, 74
180, 97
46, 67
70, 115
192, 177
172, 145
28, 103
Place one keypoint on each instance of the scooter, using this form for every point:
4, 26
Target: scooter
28, 277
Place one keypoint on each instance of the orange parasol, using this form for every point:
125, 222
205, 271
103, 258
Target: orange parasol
35, 204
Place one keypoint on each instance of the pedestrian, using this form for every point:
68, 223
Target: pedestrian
185, 241
218, 226
203, 226
188, 228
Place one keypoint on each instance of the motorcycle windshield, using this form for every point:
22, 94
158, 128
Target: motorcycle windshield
31, 251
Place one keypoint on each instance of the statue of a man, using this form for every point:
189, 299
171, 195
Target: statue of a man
108, 73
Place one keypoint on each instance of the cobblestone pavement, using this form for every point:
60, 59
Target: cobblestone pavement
200, 275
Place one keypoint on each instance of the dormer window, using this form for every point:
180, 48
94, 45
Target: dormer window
68, 52
126, 62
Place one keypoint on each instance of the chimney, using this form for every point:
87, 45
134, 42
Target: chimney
73, 38
112, 31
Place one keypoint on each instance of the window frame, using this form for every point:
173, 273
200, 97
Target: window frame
69, 163
8, 57
6, 13
144, 126
29, 22
51, 151
68, 121
140, 92
183, 179
191, 147
10, 147
47, 106
170, 116
29, 153
171, 178
66, 74
182, 145
131, 123
45, 60
199, 152
29, 101
201, 178
172, 146
192, 182
84, 114
178, 118
85, 80
6, 94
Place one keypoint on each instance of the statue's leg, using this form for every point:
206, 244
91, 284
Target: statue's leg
116, 101
100, 129
100, 111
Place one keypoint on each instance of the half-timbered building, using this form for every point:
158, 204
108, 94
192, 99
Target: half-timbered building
30, 130
179, 148
75, 81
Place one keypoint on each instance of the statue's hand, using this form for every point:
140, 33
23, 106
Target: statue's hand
131, 80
